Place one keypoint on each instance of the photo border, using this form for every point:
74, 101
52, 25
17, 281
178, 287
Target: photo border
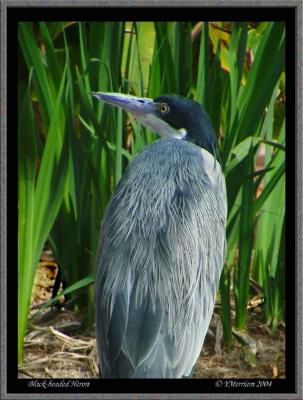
6, 220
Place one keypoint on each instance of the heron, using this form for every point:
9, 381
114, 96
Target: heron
162, 245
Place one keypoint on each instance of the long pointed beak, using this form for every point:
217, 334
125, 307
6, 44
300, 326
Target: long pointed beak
138, 106
145, 110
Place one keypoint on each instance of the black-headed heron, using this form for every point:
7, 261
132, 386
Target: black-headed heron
162, 245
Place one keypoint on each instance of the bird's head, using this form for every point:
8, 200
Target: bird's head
168, 115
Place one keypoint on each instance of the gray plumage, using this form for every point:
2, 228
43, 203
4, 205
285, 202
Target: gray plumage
160, 258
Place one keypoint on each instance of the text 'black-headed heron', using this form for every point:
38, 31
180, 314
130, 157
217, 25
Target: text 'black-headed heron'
162, 245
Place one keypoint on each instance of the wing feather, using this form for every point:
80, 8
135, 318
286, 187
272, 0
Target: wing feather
142, 331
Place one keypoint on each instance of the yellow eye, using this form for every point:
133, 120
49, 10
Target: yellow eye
164, 109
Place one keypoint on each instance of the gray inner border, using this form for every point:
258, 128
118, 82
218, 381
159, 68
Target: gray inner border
299, 186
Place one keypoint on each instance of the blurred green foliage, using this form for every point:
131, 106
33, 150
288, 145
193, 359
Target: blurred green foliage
73, 149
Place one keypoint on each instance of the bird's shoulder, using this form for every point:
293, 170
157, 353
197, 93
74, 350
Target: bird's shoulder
170, 160
175, 149
166, 156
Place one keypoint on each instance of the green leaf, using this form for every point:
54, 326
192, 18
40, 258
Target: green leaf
246, 236
33, 58
203, 66
239, 152
262, 79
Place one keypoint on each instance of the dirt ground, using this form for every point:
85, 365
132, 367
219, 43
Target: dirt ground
54, 350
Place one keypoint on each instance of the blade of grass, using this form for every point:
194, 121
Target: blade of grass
43, 206
262, 79
27, 150
33, 59
245, 245
202, 78
87, 281
225, 313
